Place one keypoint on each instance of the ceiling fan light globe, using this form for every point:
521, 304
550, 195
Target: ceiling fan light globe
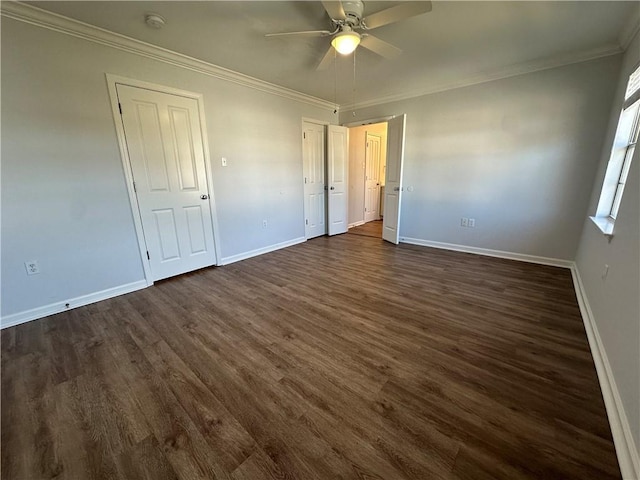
346, 42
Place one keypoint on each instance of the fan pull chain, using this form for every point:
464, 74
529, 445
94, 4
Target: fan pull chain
335, 81
354, 80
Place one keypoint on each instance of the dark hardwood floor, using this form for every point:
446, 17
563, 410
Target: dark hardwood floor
339, 358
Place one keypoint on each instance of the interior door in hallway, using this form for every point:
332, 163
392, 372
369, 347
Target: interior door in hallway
164, 141
372, 177
314, 171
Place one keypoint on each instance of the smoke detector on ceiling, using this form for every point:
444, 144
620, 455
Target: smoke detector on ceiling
154, 20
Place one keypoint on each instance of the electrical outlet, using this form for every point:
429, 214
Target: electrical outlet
32, 267
464, 222
264, 224
224, 161
472, 223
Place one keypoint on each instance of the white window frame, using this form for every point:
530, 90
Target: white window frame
622, 152
626, 164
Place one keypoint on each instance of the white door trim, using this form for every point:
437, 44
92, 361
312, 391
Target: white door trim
370, 121
112, 80
313, 120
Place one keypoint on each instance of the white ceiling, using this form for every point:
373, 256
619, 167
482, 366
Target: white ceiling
454, 44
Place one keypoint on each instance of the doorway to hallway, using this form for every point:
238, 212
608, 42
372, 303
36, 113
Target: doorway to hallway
367, 168
391, 190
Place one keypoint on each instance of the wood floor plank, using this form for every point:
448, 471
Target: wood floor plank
259, 467
145, 461
81, 447
228, 440
343, 358
369, 229
31, 457
182, 443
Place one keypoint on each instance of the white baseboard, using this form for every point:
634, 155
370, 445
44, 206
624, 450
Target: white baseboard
57, 307
522, 257
626, 450
356, 224
260, 251
53, 308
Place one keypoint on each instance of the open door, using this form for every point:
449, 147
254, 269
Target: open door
393, 183
337, 169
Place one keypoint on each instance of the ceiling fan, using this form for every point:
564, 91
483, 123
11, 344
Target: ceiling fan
347, 21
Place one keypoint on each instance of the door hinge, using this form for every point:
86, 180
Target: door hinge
134, 187
304, 135
305, 179
148, 257
120, 107
306, 221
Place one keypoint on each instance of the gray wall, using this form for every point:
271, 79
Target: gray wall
64, 198
519, 155
614, 300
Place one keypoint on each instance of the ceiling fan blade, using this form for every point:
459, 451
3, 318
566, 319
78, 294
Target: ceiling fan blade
380, 47
308, 33
327, 60
334, 9
395, 14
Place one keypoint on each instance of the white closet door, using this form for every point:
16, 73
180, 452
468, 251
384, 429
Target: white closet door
165, 147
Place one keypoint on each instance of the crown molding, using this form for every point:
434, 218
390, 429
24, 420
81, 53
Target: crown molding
59, 23
506, 72
630, 29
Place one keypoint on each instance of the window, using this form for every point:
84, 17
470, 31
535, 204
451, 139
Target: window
624, 145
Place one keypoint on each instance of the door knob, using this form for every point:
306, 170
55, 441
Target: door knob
332, 188
396, 189
204, 197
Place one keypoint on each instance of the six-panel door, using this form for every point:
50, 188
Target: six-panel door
314, 170
164, 140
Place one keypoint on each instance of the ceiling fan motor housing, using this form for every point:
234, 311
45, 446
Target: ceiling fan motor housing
353, 11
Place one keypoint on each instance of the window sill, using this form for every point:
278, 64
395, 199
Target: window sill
605, 224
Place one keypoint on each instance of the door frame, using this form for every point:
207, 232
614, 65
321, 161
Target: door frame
371, 121
112, 81
325, 124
